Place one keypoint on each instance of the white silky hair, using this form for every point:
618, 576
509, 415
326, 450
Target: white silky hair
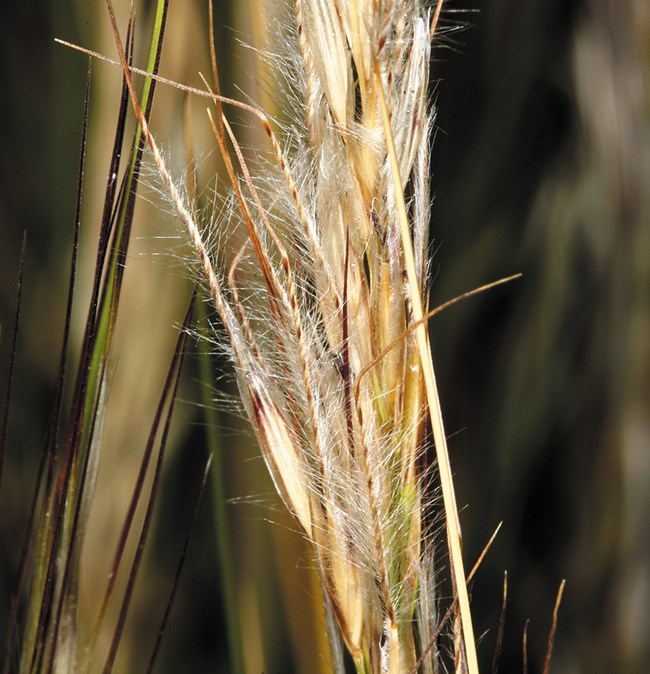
317, 316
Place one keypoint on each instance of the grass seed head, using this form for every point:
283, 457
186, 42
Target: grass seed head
341, 423
319, 313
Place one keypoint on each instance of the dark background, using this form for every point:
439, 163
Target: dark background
541, 165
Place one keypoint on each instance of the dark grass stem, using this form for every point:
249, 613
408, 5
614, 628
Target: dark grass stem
179, 568
63, 365
167, 399
13, 618
4, 433
502, 622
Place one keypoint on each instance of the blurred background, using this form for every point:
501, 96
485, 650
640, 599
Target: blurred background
541, 165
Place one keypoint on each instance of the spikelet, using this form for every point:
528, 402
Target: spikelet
341, 423
318, 309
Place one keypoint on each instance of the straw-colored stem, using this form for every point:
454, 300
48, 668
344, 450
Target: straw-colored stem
438, 429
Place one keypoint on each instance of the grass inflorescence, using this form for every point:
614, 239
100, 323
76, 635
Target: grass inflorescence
323, 311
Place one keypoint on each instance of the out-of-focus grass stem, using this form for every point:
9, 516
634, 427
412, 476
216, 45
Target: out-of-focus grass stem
222, 528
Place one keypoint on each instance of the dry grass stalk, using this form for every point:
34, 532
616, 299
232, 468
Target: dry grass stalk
323, 314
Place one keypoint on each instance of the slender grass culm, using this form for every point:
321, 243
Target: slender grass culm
323, 311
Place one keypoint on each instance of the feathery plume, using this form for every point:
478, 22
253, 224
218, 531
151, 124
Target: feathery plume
322, 310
